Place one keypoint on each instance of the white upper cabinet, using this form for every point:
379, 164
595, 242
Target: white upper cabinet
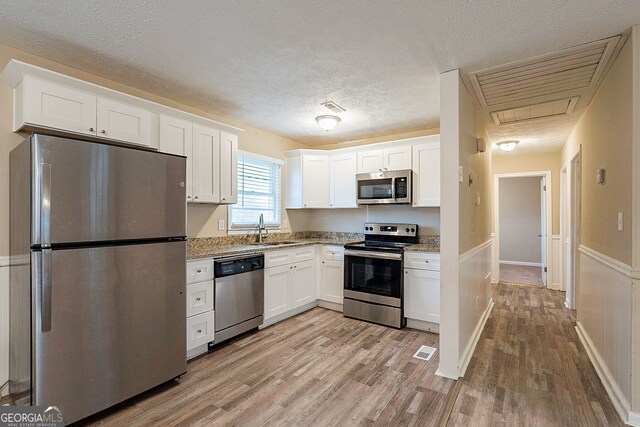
126, 123
308, 181
46, 104
396, 158
370, 161
176, 137
206, 164
426, 174
391, 158
228, 168
343, 171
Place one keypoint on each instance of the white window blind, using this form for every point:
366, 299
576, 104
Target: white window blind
258, 193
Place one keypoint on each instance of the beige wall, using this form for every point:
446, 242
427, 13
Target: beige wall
520, 220
534, 162
605, 132
203, 220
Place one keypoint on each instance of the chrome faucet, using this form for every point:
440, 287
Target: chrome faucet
261, 229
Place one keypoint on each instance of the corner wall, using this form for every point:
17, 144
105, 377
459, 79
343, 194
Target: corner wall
465, 242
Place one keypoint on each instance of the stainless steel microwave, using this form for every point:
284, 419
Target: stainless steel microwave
384, 187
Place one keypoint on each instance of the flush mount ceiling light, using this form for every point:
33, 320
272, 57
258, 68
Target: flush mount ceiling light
328, 122
507, 145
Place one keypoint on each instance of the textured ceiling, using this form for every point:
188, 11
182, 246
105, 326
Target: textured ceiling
271, 63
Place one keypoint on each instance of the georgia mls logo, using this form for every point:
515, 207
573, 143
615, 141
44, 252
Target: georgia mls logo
31, 416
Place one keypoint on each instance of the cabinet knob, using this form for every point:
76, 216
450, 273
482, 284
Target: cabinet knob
223, 199
198, 271
90, 129
199, 331
427, 261
195, 198
103, 131
323, 262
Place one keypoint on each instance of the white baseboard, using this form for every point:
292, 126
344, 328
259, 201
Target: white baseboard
423, 326
466, 356
523, 263
330, 305
618, 399
4, 323
445, 374
634, 419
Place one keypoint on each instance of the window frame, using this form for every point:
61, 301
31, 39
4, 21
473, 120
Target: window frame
247, 229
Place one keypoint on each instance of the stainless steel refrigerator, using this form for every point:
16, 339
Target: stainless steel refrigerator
97, 290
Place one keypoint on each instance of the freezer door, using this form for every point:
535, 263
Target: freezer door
91, 192
110, 322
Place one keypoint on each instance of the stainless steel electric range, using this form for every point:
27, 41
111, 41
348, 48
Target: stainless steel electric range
373, 279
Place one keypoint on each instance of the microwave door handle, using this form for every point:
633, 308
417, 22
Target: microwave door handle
393, 188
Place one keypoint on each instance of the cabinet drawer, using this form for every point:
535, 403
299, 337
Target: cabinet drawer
199, 271
277, 258
199, 298
422, 260
200, 330
305, 253
333, 253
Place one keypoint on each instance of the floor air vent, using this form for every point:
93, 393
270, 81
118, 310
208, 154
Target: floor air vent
425, 352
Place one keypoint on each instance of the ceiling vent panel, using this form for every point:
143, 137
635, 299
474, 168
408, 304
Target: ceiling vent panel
559, 107
570, 69
332, 106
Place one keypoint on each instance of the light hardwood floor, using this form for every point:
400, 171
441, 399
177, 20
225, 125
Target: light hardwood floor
521, 274
529, 367
320, 368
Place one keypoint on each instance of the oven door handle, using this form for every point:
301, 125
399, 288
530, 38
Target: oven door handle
377, 255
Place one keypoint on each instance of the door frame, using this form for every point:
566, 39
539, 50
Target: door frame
570, 216
548, 219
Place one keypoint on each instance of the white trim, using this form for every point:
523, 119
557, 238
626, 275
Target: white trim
549, 219
4, 323
329, 305
5, 261
619, 266
290, 313
475, 251
634, 419
615, 394
566, 305
423, 325
523, 263
471, 346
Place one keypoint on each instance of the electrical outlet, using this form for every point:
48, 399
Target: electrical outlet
285, 223
460, 174
620, 221
221, 224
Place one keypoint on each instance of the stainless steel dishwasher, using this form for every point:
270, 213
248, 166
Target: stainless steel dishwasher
239, 295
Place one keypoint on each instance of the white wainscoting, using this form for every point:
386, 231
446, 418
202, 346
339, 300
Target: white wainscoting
556, 263
604, 322
475, 298
4, 323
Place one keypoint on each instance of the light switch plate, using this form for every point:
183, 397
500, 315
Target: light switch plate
620, 221
221, 224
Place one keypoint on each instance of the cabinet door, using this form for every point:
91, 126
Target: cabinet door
206, 164
332, 277
124, 122
343, 181
58, 107
303, 283
228, 168
315, 181
422, 295
277, 291
397, 158
426, 174
370, 161
176, 138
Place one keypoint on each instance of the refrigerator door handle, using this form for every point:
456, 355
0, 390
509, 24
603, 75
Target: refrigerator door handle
45, 289
45, 205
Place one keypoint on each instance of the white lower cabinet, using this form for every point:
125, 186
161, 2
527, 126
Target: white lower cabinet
289, 285
332, 281
200, 314
422, 287
277, 291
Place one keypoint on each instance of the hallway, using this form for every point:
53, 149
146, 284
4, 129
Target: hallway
521, 274
530, 368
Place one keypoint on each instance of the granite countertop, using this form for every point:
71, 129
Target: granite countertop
213, 247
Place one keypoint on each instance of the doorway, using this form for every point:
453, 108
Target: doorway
522, 222
570, 196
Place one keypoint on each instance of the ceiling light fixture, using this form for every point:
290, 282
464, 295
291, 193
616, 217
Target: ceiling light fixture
328, 122
507, 145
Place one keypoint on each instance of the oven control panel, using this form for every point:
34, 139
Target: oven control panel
409, 230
